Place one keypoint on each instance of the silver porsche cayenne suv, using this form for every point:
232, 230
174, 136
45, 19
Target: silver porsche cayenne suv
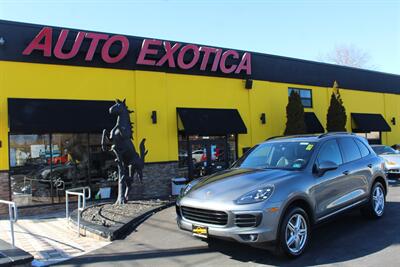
279, 189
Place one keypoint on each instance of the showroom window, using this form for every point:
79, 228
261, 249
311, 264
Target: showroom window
43, 166
372, 137
305, 95
203, 155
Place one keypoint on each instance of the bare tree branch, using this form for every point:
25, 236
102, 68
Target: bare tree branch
348, 55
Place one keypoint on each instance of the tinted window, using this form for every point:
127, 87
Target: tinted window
330, 152
350, 149
363, 148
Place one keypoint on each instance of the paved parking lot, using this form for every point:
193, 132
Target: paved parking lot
349, 240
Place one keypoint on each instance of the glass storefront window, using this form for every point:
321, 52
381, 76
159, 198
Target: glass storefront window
70, 161
103, 168
29, 159
42, 167
203, 155
372, 137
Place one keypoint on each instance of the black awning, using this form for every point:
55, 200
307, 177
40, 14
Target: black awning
313, 125
364, 122
58, 116
205, 121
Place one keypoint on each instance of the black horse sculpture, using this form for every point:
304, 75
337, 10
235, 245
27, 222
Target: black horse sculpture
129, 161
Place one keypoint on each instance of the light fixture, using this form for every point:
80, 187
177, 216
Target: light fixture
249, 83
154, 117
393, 120
263, 118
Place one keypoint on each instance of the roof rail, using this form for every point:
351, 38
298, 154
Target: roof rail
334, 133
273, 137
292, 136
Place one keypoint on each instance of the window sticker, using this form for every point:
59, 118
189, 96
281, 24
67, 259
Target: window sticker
309, 147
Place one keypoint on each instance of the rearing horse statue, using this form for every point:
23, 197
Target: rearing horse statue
128, 160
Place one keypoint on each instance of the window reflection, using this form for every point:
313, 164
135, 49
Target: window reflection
42, 167
203, 155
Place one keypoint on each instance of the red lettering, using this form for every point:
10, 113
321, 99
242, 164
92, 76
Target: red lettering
146, 50
46, 35
96, 37
58, 53
222, 63
105, 55
207, 51
181, 56
245, 64
169, 54
216, 60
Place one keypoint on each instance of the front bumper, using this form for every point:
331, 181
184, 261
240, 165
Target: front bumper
265, 231
392, 172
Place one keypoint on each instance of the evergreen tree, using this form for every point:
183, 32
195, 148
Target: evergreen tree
336, 117
295, 115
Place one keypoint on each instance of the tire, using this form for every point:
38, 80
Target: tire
298, 233
375, 208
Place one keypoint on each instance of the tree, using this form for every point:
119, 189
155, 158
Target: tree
336, 117
295, 115
348, 55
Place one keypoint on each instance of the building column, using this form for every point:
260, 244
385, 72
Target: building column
4, 190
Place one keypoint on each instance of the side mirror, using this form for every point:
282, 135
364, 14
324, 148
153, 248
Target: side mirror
325, 166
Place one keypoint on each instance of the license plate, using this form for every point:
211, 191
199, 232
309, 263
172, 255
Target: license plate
200, 231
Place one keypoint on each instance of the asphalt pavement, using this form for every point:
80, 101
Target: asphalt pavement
349, 240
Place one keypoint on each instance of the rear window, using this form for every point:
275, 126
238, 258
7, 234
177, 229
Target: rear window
363, 148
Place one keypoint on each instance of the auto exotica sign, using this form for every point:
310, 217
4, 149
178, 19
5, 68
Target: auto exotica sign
183, 56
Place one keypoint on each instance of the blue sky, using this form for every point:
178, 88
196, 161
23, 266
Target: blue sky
300, 29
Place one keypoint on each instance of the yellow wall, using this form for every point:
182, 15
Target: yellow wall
147, 91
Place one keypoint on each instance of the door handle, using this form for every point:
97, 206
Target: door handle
369, 165
346, 172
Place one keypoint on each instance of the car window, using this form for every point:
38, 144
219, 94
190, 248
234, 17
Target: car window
363, 148
330, 152
384, 150
350, 149
288, 155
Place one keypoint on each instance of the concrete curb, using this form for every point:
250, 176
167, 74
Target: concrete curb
114, 232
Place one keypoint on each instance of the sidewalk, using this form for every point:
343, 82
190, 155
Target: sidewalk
48, 238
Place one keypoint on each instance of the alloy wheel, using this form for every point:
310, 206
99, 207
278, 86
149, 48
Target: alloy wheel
378, 200
296, 233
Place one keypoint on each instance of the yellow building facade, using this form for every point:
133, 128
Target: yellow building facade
162, 91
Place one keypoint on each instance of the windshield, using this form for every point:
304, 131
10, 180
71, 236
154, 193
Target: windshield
384, 150
278, 155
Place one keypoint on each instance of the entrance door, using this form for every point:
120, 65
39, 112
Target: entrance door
207, 156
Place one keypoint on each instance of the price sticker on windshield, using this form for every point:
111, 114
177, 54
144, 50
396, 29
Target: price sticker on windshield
309, 147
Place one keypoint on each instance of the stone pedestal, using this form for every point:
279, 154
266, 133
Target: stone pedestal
156, 181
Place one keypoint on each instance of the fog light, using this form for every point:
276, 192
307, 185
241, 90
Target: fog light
249, 237
253, 237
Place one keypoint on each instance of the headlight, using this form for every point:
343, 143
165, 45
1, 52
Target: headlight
257, 195
186, 189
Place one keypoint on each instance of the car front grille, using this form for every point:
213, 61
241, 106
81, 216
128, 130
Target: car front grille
205, 216
247, 220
